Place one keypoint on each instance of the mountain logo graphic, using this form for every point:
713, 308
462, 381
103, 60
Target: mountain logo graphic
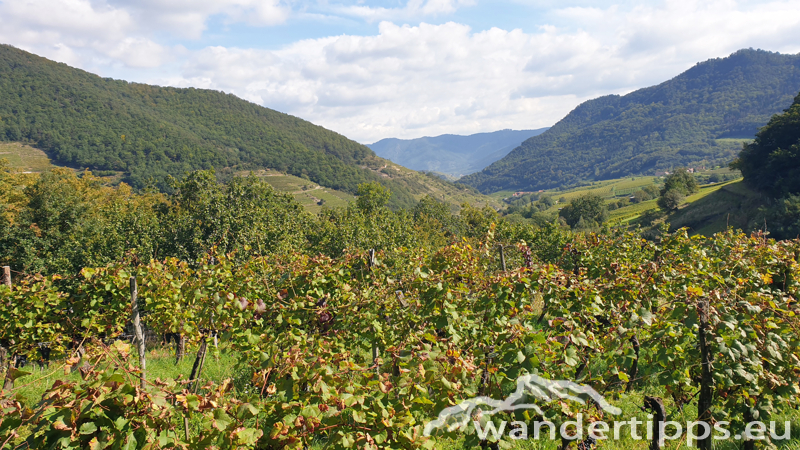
528, 386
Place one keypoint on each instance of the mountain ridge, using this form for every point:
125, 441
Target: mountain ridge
451, 154
681, 122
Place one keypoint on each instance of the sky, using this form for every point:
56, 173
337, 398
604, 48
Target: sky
400, 68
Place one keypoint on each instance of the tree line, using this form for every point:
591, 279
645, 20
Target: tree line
61, 221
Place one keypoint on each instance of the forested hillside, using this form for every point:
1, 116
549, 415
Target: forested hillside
148, 132
451, 154
698, 118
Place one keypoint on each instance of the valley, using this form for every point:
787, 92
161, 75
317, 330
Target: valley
182, 268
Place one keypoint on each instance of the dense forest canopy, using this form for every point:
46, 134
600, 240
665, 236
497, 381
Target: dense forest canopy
772, 162
150, 133
691, 120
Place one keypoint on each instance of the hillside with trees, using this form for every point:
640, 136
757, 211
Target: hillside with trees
148, 133
771, 165
699, 118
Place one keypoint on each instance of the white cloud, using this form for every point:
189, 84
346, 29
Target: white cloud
78, 32
405, 81
80, 19
189, 18
98, 33
414, 9
408, 81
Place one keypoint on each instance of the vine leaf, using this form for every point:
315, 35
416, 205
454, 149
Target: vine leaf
15, 374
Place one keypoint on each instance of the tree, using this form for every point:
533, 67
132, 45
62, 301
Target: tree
671, 200
372, 196
430, 209
771, 163
681, 181
676, 187
245, 215
58, 222
434, 220
783, 218
590, 207
641, 196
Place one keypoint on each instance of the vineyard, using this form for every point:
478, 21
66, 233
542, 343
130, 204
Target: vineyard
363, 350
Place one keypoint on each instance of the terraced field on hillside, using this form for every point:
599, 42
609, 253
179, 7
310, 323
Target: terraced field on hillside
312, 196
25, 158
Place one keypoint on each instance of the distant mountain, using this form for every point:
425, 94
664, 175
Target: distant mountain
148, 133
698, 118
451, 154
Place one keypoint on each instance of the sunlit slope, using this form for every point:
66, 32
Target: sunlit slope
24, 158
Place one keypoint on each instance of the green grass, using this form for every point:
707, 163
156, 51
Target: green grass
609, 189
635, 210
160, 364
708, 189
306, 192
219, 365
25, 158
631, 212
500, 195
309, 194
730, 204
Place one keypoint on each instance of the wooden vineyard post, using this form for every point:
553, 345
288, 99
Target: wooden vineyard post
634, 370
375, 355
704, 401
137, 331
502, 257
484, 386
180, 347
199, 361
213, 332
8, 383
197, 369
748, 444
404, 304
375, 350
6, 281
655, 405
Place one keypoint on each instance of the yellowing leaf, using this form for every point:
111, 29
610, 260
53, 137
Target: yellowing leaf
694, 290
